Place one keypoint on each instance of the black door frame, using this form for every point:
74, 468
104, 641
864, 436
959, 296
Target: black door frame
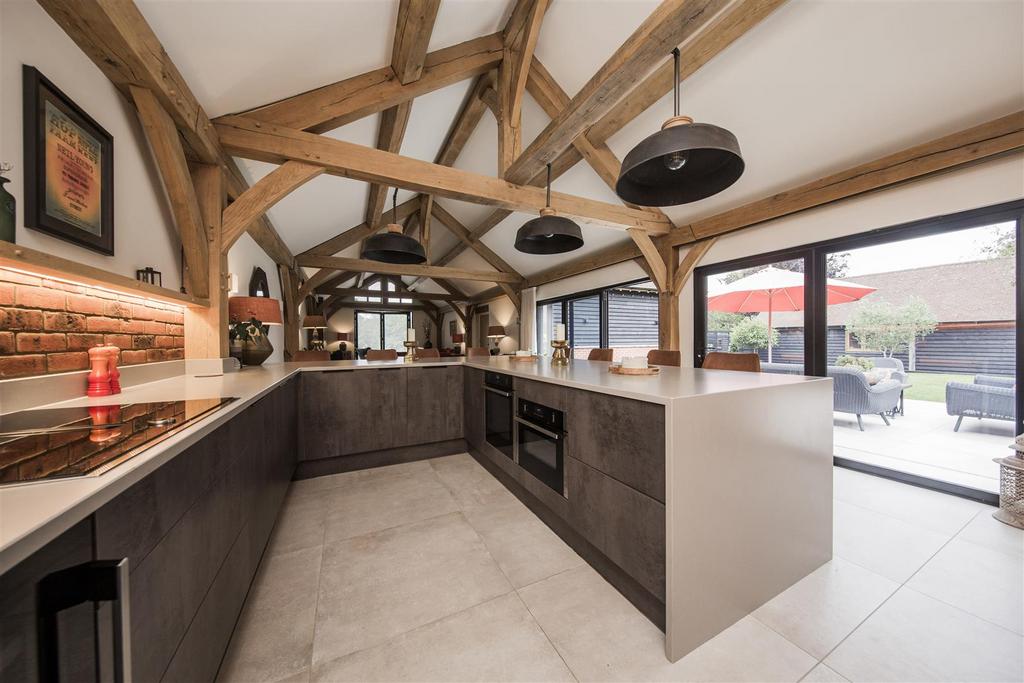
816, 307
380, 314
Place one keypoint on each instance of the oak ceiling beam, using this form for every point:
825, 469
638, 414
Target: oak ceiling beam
417, 296
177, 180
672, 23
520, 40
462, 232
368, 266
466, 121
655, 264
318, 278
334, 105
994, 138
425, 216
412, 34
390, 133
258, 199
723, 30
685, 269
277, 144
337, 279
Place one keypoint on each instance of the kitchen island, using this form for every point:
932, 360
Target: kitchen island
673, 486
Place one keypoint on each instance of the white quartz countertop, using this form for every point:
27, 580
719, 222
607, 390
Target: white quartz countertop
33, 514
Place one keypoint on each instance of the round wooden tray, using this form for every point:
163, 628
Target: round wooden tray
619, 370
523, 359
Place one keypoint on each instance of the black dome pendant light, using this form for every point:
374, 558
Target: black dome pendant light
392, 246
550, 233
681, 163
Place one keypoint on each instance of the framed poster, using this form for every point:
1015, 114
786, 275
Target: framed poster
69, 167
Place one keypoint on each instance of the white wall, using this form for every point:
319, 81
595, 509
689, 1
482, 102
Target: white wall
243, 256
143, 232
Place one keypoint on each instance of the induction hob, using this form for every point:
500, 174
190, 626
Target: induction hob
56, 443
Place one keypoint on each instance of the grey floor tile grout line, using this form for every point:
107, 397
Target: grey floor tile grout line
900, 587
316, 606
901, 519
544, 631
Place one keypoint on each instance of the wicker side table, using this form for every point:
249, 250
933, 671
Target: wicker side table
1011, 489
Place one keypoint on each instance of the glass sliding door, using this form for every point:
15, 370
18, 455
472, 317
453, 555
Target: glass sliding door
376, 330
548, 315
632, 320
757, 309
919, 327
925, 364
396, 326
368, 331
584, 328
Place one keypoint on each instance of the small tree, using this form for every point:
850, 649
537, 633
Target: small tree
720, 321
751, 333
888, 328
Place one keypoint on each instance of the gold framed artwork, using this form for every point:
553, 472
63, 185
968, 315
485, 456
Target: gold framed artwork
69, 167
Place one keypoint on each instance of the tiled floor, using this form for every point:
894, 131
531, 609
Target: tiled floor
432, 571
922, 442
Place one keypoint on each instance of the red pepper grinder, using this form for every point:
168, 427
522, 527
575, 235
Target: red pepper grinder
99, 375
115, 374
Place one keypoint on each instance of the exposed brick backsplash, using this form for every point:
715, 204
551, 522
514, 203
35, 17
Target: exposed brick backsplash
48, 326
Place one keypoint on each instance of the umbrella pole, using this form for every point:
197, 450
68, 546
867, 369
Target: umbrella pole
770, 326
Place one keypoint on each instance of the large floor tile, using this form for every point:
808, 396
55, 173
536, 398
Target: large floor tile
274, 636
914, 637
374, 503
882, 544
522, 545
376, 586
928, 509
469, 482
823, 674
987, 583
826, 606
604, 638
494, 641
987, 531
331, 481
300, 524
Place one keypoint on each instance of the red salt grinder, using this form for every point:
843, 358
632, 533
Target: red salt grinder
115, 374
99, 375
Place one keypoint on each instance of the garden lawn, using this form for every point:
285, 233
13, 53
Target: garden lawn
931, 386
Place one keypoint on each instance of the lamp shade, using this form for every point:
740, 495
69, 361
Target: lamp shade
458, 338
344, 336
549, 234
314, 322
264, 309
393, 247
679, 164
496, 331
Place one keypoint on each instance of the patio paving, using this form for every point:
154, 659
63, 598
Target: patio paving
923, 442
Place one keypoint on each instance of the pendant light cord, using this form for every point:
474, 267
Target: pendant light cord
675, 81
548, 200
394, 206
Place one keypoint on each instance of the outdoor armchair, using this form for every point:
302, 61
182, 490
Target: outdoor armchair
851, 393
989, 396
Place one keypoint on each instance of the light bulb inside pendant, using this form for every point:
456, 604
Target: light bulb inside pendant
676, 160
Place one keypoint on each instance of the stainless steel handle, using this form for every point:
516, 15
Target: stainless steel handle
546, 432
96, 581
506, 394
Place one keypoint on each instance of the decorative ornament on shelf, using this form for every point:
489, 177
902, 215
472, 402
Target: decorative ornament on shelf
256, 346
8, 211
548, 234
681, 163
410, 345
150, 276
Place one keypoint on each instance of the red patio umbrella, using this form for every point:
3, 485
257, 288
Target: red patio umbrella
774, 289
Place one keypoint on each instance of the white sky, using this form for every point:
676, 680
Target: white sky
950, 247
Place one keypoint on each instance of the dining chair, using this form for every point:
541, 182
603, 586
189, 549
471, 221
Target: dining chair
600, 354
311, 355
721, 360
663, 357
474, 351
427, 353
382, 354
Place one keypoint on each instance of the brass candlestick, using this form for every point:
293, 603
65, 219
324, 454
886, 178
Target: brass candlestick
560, 355
410, 351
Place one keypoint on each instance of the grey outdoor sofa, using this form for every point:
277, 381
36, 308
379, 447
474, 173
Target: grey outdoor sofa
989, 396
851, 391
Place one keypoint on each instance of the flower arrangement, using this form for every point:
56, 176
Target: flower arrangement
253, 337
250, 330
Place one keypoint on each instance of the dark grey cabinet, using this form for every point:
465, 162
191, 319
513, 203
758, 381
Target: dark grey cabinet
194, 531
621, 437
473, 407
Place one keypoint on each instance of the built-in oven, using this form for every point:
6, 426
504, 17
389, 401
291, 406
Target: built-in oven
498, 412
540, 443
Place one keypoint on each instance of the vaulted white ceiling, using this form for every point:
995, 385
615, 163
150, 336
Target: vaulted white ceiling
817, 87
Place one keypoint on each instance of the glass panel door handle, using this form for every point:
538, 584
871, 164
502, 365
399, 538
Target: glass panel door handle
97, 581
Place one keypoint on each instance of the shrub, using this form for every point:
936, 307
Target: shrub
864, 364
751, 333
